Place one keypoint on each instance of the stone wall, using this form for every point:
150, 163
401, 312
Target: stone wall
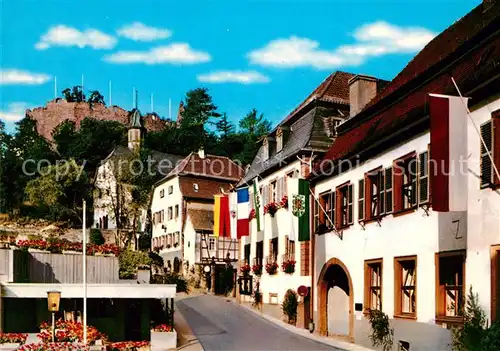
56, 111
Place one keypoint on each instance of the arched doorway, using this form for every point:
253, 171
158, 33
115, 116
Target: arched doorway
335, 300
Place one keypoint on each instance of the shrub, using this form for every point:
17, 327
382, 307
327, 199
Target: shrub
96, 237
257, 297
289, 305
381, 332
475, 333
180, 282
129, 261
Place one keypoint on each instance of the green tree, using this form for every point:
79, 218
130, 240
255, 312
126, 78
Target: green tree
61, 187
96, 98
199, 108
74, 94
224, 127
252, 127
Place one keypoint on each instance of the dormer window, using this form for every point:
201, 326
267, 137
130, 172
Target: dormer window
265, 146
281, 137
196, 187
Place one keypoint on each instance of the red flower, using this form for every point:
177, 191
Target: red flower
165, 328
252, 214
271, 268
288, 266
284, 202
13, 338
257, 269
271, 208
245, 269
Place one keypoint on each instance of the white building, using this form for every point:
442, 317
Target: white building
288, 151
112, 199
390, 250
182, 210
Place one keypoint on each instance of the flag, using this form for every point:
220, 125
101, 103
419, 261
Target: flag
257, 204
292, 184
243, 211
233, 210
448, 119
221, 216
299, 192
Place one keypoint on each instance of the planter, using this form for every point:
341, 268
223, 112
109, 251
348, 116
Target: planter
69, 252
9, 346
37, 250
163, 340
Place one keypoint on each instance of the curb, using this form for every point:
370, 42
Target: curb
346, 346
187, 340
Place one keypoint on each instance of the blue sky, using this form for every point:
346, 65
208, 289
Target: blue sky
264, 54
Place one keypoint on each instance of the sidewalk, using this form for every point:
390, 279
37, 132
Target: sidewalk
273, 314
186, 339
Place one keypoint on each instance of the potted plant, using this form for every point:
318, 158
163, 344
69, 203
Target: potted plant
272, 268
288, 266
12, 340
289, 306
164, 337
284, 202
252, 214
245, 269
257, 269
271, 208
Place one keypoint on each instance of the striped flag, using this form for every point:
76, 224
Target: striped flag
300, 207
292, 186
221, 216
448, 115
243, 211
233, 211
257, 200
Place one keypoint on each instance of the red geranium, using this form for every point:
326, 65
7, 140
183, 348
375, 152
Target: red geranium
284, 202
257, 269
288, 266
271, 208
272, 268
165, 328
13, 338
245, 269
252, 214
126, 345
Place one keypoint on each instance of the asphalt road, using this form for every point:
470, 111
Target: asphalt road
221, 325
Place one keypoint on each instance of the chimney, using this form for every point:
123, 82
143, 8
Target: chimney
361, 90
201, 153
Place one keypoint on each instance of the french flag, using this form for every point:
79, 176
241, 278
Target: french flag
243, 211
448, 152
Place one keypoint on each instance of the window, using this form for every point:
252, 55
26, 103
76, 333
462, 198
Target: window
176, 212
211, 244
486, 165
304, 258
289, 249
325, 212
273, 250
495, 282
450, 269
162, 193
405, 274
196, 187
259, 252
170, 189
170, 213
361, 200
388, 190
273, 188
373, 285
405, 183
374, 194
162, 216
423, 177
279, 139
344, 213
247, 253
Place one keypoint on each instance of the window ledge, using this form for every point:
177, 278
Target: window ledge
449, 320
404, 212
405, 316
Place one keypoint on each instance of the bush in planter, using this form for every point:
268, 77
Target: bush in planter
57, 346
163, 328
13, 338
257, 269
245, 269
272, 268
289, 305
271, 208
127, 346
288, 266
129, 261
96, 237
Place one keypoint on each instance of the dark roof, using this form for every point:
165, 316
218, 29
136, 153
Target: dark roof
207, 188
201, 219
468, 68
212, 166
163, 163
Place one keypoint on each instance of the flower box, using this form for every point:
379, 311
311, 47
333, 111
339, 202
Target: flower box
70, 252
10, 346
272, 268
129, 346
30, 249
257, 269
245, 269
271, 208
288, 266
163, 340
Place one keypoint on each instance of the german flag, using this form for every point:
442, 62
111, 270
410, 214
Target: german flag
222, 226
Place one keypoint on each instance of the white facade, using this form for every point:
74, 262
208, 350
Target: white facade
275, 227
422, 233
105, 198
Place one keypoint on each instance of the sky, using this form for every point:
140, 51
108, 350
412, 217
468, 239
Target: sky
267, 55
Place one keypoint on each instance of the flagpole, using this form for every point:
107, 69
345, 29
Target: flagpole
55, 87
110, 101
84, 273
477, 130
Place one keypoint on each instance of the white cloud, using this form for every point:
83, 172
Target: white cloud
140, 32
176, 53
62, 35
242, 77
15, 76
15, 112
373, 39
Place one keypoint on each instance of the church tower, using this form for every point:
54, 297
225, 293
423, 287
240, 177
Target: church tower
134, 131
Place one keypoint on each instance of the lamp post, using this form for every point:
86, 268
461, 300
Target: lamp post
137, 236
53, 299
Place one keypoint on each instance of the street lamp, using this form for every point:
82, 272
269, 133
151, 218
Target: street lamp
137, 236
53, 299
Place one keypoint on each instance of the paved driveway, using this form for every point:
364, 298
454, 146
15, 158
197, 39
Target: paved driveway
221, 325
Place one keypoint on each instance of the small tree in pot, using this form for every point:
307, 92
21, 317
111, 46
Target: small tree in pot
290, 305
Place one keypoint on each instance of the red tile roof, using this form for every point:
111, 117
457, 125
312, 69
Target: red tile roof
209, 166
206, 188
467, 72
